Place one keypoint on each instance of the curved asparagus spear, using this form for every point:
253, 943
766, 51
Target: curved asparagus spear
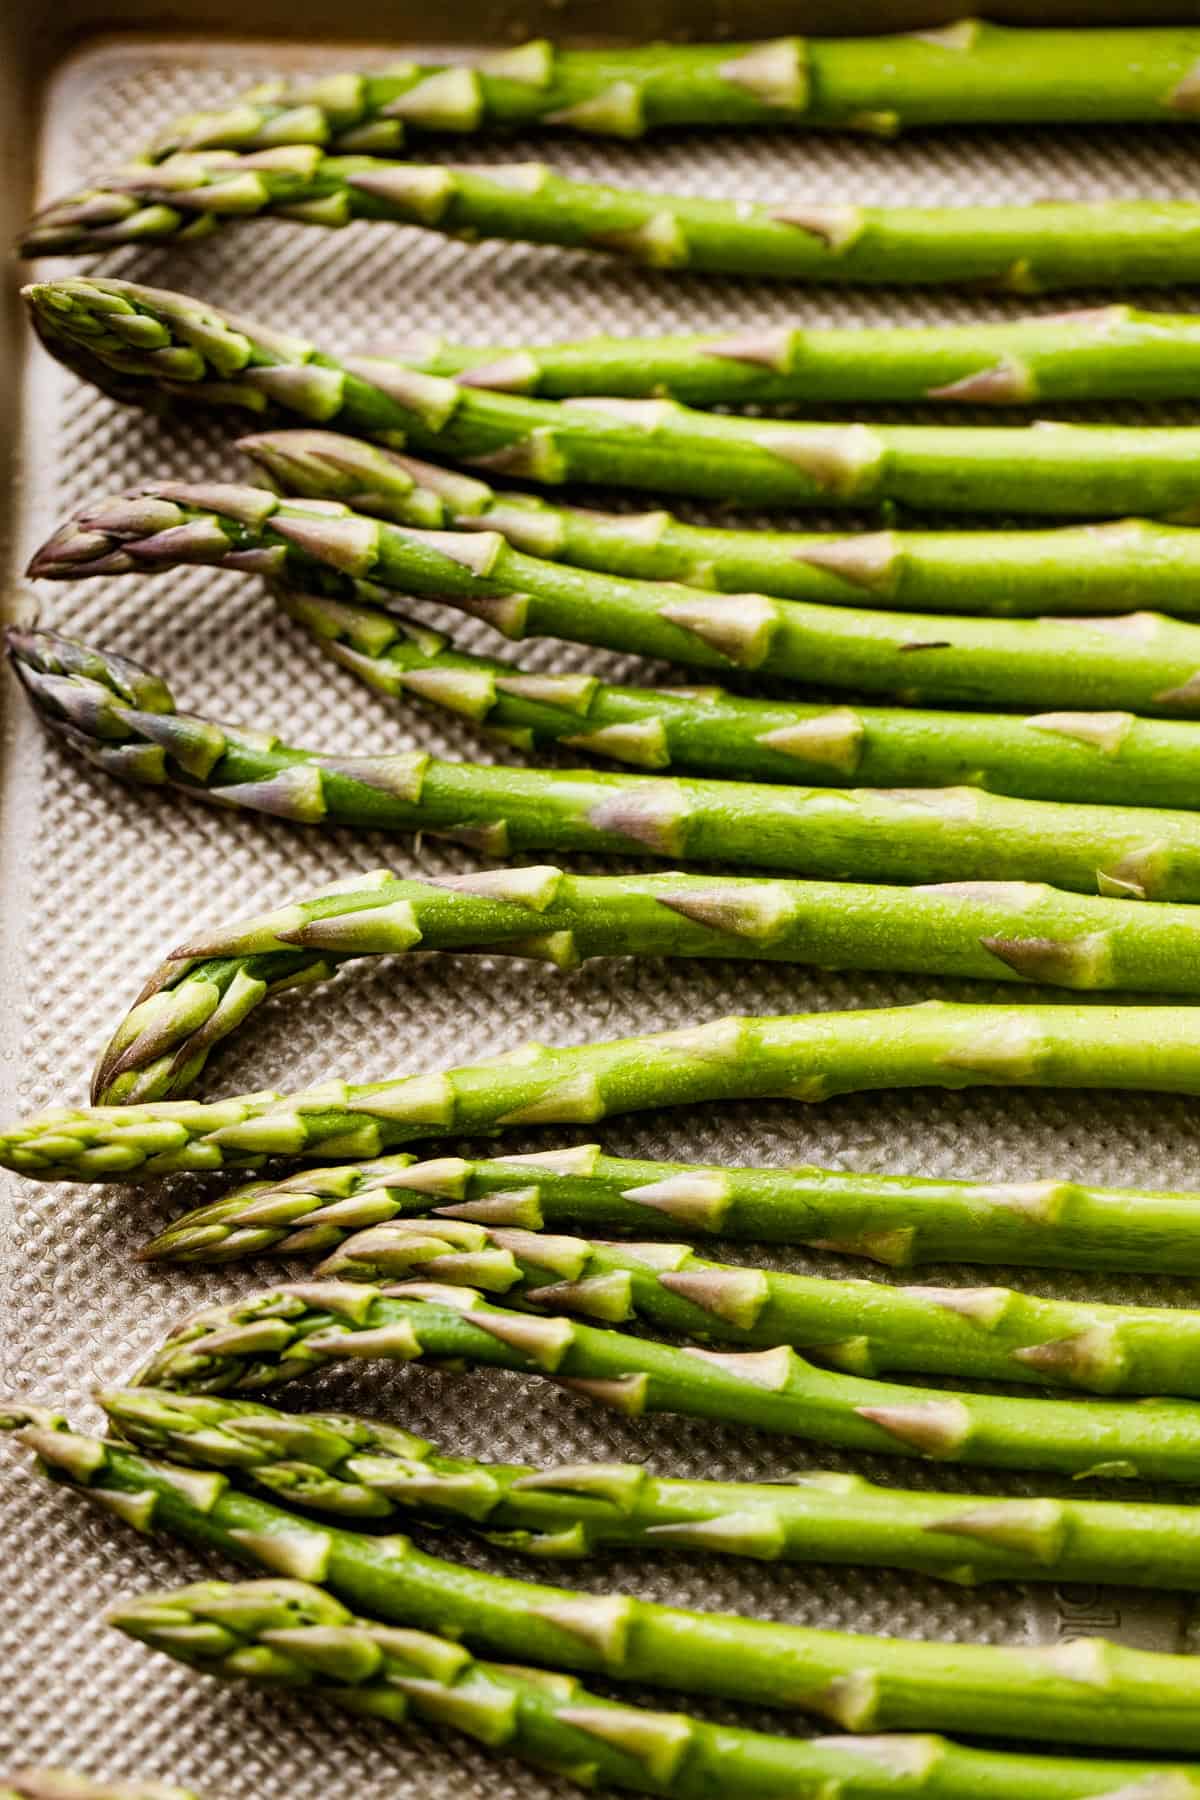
895, 1220
868, 1328
967, 73
1141, 662
290, 1633
154, 348
354, 1468
1116, 352
808, 1057
283, 1333
1113, 757
1074, 1692
121, 720
58, 1784
991, 930
1019, 249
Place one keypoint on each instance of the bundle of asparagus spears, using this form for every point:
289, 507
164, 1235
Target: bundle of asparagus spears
990, 755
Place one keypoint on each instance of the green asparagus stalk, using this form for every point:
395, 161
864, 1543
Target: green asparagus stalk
354, 1468
967, 73
1141, 662
868, 1328
1090, 570
59, 1784
283, 1333
1118, 353
1109, 757
1051, 468
1018, 249
990, 930
809, 1057
1087, 1691
120, 717
153, 348
295, 1635
894, 1220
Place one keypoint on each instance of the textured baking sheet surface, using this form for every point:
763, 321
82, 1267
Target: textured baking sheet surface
99, 881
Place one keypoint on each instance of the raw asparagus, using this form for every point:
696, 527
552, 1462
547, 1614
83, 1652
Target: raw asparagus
1112, 757
991, 930
58, 1784
894, 1220
354, 1468
1116, 353
1084, 471
1141, 662
1086, 1691
1020, 249
119, 716
297, 1636
866, 1327
286, 1332
154, 348
808, 1057
1089, 569
967, 73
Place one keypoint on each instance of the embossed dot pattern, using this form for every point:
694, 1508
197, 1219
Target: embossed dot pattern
106, 879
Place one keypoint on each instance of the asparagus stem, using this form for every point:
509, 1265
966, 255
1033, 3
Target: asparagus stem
990, 930
807, 1057
1118, 353
868, 1328
285, 1332
1140, 662
118, 715
1088, 1691
894, 1220
1112, 757
1019, 249
296, 1635
59, 1784
151, 347
356, 1469
969, 73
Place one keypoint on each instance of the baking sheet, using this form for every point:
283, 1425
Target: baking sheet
97, 882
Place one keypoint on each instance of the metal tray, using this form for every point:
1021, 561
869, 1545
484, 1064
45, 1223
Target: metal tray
95, 881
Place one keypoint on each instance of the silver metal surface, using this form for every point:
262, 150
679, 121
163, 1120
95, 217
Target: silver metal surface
97, 882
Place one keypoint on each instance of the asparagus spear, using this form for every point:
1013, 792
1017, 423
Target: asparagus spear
152, 347
1115, 353
119, 716
1075, 1692
1111, 757
59, 1784
968, 73
1048, 468
1142, 662
354, 1468
807, 1057
285, 1332
296, 1635
1018, 249
991, 930
896, 1220
869, 1328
